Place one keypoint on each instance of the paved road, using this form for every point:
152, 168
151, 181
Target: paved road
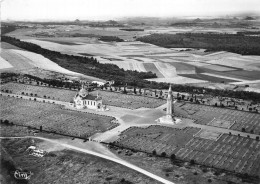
100, 154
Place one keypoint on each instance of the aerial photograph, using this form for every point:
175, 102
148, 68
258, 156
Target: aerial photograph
130, 92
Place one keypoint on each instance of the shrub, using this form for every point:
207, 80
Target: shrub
163, 154
173, 156
192, 162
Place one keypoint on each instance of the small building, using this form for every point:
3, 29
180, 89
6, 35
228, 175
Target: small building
84, 100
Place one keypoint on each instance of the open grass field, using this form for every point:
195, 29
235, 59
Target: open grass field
5, 45
52, 118
151, 67
166, 69
247, 75
62, 166
208, 78
38, 60
225, 151
62, 42
183, 68
4, 64
236, 74
219, 68
26, 62
238, 62
21, 60
17, 61
179, 80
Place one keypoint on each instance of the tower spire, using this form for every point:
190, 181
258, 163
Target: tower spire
170, 88
170, 92
169, 102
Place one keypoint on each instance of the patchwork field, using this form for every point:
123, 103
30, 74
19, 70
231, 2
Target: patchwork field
179, 80
4, 64
225, 151
227, 67
183, 68
52, 118
209, 78
151, 67
219, 68
5, 45
17, 61
243, 62
61, 42
175, 65
234, 74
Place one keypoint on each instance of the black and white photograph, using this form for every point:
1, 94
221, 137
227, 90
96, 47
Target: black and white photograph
129, 91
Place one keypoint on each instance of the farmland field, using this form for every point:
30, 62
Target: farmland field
220, 68
179, 80
182, 61
239, 74
17, 61
183, 68
248, 75
207, 78
136, 55
4, 64
62, 42
151, 67
21, 59
5, 45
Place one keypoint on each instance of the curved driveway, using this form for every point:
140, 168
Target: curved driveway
114, 159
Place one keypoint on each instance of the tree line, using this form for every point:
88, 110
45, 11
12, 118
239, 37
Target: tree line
91, 67
85, 65
236, 43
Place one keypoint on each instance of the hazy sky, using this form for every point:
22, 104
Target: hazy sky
109, 9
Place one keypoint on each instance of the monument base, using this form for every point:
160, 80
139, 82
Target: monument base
168, 120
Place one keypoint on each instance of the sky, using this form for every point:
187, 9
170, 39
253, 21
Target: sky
113, 9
